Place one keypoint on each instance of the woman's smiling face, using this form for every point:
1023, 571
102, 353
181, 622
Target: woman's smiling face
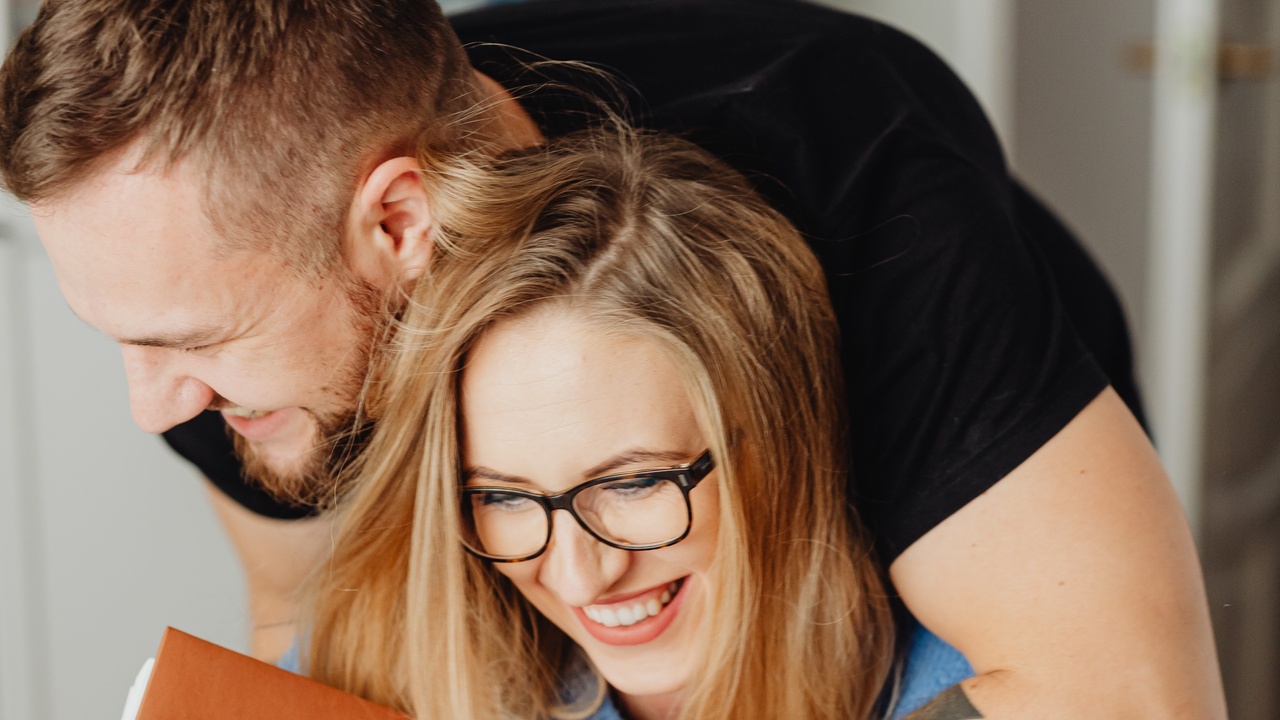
550, 401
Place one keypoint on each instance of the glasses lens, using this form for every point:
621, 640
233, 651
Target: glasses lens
635, 511
503, 524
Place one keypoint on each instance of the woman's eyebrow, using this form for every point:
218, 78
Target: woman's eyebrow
481, 472
636, 456
633, 456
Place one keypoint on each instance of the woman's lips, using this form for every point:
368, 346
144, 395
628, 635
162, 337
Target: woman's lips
640, 632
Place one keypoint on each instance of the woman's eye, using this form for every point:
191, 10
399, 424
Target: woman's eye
505, 503
633, 488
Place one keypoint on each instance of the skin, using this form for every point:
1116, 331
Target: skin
1074, 570
548, 402
201, 331
297, 545
1076, 577
198, 330
204, 328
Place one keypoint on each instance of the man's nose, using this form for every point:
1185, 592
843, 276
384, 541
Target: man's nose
160, 394
577, 567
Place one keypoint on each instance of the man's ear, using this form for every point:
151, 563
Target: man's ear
389, 225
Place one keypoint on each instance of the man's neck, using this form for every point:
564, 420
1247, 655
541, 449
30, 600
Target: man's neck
513, 127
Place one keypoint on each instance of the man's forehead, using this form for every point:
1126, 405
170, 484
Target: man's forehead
161, 332
136, 258
159, 302
120, 195
133, 160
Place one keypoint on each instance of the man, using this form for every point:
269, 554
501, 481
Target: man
233, 192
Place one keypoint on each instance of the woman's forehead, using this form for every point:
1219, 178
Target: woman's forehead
553, 394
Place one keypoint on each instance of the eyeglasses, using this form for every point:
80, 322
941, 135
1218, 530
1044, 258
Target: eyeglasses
631, 511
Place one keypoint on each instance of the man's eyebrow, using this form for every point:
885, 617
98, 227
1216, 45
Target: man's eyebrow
194, 337
180, 339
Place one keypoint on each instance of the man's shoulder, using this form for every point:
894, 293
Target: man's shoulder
699, 38
760, 83
546, 18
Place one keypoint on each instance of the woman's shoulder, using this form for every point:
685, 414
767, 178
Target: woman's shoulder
606, 711
581, 685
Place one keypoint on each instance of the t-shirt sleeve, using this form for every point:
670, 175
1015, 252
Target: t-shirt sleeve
961, 359
204, 442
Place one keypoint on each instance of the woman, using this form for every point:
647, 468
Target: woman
617, 327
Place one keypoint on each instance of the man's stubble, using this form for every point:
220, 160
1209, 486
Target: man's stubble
316, 477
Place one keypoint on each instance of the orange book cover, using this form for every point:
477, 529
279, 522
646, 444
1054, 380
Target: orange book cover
197, 680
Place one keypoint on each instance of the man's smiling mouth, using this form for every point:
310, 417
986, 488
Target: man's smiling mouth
262, 425
237, 411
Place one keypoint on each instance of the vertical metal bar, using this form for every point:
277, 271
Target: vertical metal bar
1181, 204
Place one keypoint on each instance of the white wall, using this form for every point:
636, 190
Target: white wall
1084, 123
19, 595
107, 536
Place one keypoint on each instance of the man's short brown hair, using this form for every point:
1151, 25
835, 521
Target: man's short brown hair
279, 103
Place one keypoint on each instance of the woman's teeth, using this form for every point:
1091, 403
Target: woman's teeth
246, 412
624, 615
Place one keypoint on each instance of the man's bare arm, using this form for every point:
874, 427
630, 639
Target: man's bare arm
1072, 586
277, 556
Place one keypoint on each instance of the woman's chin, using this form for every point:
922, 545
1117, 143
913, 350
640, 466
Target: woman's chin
661, 666
639, 685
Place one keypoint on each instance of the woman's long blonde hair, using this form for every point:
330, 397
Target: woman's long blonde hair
646, 235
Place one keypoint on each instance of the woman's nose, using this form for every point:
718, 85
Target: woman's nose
577, 567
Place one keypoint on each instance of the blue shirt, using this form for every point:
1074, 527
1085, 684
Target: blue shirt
931, 667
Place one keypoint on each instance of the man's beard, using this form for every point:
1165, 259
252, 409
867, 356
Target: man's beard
317, 478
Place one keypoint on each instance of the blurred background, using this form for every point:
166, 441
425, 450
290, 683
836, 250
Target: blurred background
1152, 126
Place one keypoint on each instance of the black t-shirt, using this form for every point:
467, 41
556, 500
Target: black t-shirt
974, 327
